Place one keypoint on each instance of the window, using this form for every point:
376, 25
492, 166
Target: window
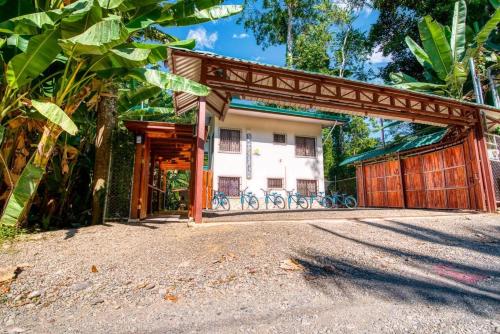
275, 183
229, 140
307, 187
230, 186
279, 138
305, 146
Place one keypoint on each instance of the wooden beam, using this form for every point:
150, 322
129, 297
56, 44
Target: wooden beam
486, 171
136, 181
199, 160
143, 202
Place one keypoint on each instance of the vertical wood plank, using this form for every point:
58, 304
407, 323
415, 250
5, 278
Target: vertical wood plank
136, 181
199, 159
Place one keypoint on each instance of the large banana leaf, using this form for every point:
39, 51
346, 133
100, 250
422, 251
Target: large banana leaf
110, 4
25, 187
421, 86
30, 24
56, 115
121, 58
168, 81
149, 15
136, 96
87, 14
436, 46
98, 39
491, 25
418, 52
159, 52
206, 15
41, 52
135, 113
20, 42
457, 41
398, 78
185, 8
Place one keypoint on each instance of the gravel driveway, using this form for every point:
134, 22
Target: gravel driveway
392, 274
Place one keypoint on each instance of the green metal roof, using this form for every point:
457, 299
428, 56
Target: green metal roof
409, 143
314, 114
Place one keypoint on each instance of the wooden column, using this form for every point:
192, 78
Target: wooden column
143, 202
486, 172
136, 182
198, 162
401, 181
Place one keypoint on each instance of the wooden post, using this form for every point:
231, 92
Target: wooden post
136, 182
486, 172
401, 181
143, 212
199, 160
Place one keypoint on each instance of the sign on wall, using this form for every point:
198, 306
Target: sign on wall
249, 156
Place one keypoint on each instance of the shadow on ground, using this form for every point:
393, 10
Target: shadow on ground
325, 272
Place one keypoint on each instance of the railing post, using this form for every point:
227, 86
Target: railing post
199, 160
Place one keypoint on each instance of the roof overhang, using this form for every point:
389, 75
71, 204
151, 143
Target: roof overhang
230, 77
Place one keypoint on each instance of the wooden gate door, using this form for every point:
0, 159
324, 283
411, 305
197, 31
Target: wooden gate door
437, 180
414, 182
208, 189
383, 184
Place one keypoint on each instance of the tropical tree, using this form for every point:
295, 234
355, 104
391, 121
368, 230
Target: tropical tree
445, 53
61, 57
397, 19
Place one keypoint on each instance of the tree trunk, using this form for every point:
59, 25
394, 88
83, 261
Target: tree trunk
106, 120
289, 36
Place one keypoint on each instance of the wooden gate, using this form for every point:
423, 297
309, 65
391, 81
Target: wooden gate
442, 179
383, 184
437, 180
208, 189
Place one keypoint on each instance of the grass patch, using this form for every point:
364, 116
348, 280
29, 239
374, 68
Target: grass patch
8, 233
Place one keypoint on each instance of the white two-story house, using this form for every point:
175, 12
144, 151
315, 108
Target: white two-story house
260, 147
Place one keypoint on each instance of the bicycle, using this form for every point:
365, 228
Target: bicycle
248, 198
345, 200
298, 199
276, 199
220, 200
322, 199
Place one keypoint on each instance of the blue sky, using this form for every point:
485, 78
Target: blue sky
228, 38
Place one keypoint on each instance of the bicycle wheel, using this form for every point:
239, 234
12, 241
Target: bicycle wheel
302, 202
224, 202
279, 201
253, 203
215, 203
350, 202
327, 202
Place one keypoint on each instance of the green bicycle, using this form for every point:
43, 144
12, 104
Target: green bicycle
249, 199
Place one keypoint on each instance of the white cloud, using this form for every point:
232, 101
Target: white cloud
377, 57
202, 38
240, 36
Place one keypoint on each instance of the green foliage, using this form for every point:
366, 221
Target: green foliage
445, 56
74, 51
399, 18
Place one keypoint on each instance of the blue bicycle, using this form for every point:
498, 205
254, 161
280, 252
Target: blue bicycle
249, 199
297, 200
344, 200
323, 200
276, 199
220, 200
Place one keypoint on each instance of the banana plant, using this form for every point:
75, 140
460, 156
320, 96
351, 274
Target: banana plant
63, 52
445, 53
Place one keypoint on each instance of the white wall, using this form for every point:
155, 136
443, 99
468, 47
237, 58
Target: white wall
268, 160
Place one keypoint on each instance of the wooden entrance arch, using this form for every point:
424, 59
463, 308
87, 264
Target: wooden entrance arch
229, 77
